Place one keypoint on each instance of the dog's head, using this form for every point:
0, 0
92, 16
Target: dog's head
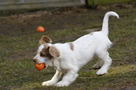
46, 52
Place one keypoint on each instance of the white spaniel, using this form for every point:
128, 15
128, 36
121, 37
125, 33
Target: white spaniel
68, 58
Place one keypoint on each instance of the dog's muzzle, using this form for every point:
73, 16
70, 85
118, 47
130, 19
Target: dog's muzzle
35, 61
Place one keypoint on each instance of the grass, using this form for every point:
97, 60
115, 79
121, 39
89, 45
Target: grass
100, 2
17, 48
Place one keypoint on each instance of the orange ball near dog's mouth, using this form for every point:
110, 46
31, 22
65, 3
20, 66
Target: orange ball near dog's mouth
40, 66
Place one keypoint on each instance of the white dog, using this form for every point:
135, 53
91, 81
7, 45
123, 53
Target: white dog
68, 58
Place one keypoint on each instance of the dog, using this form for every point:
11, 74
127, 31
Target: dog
68, 58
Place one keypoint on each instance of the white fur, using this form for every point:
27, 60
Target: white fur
70, 61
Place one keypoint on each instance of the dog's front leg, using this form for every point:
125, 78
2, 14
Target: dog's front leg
54, 79
67, 79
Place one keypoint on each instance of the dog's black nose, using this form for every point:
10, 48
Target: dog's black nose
34, 60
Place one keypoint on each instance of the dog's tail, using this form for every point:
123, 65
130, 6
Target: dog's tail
105, 21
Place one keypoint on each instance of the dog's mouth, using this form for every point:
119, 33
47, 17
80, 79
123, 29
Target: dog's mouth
45, 66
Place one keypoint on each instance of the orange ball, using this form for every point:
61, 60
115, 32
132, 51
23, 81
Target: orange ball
40, 29
40, 66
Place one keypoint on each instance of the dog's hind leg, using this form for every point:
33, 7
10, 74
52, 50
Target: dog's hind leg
107, 62
98, 64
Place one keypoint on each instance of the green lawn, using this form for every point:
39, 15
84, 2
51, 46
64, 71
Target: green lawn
19, 42
100, 2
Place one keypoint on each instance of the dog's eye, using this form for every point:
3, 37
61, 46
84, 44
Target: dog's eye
42, 54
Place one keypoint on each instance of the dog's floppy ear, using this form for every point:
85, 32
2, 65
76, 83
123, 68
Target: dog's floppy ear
54, 51
45, 39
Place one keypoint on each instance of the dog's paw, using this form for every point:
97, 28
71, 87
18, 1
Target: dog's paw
101, 72
62, 84
47, 83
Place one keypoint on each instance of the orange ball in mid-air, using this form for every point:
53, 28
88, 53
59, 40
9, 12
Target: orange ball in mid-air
40, 66
40, 29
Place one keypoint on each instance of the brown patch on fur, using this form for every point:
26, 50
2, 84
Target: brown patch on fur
45, 52
71, 46
45, 39
54, 51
